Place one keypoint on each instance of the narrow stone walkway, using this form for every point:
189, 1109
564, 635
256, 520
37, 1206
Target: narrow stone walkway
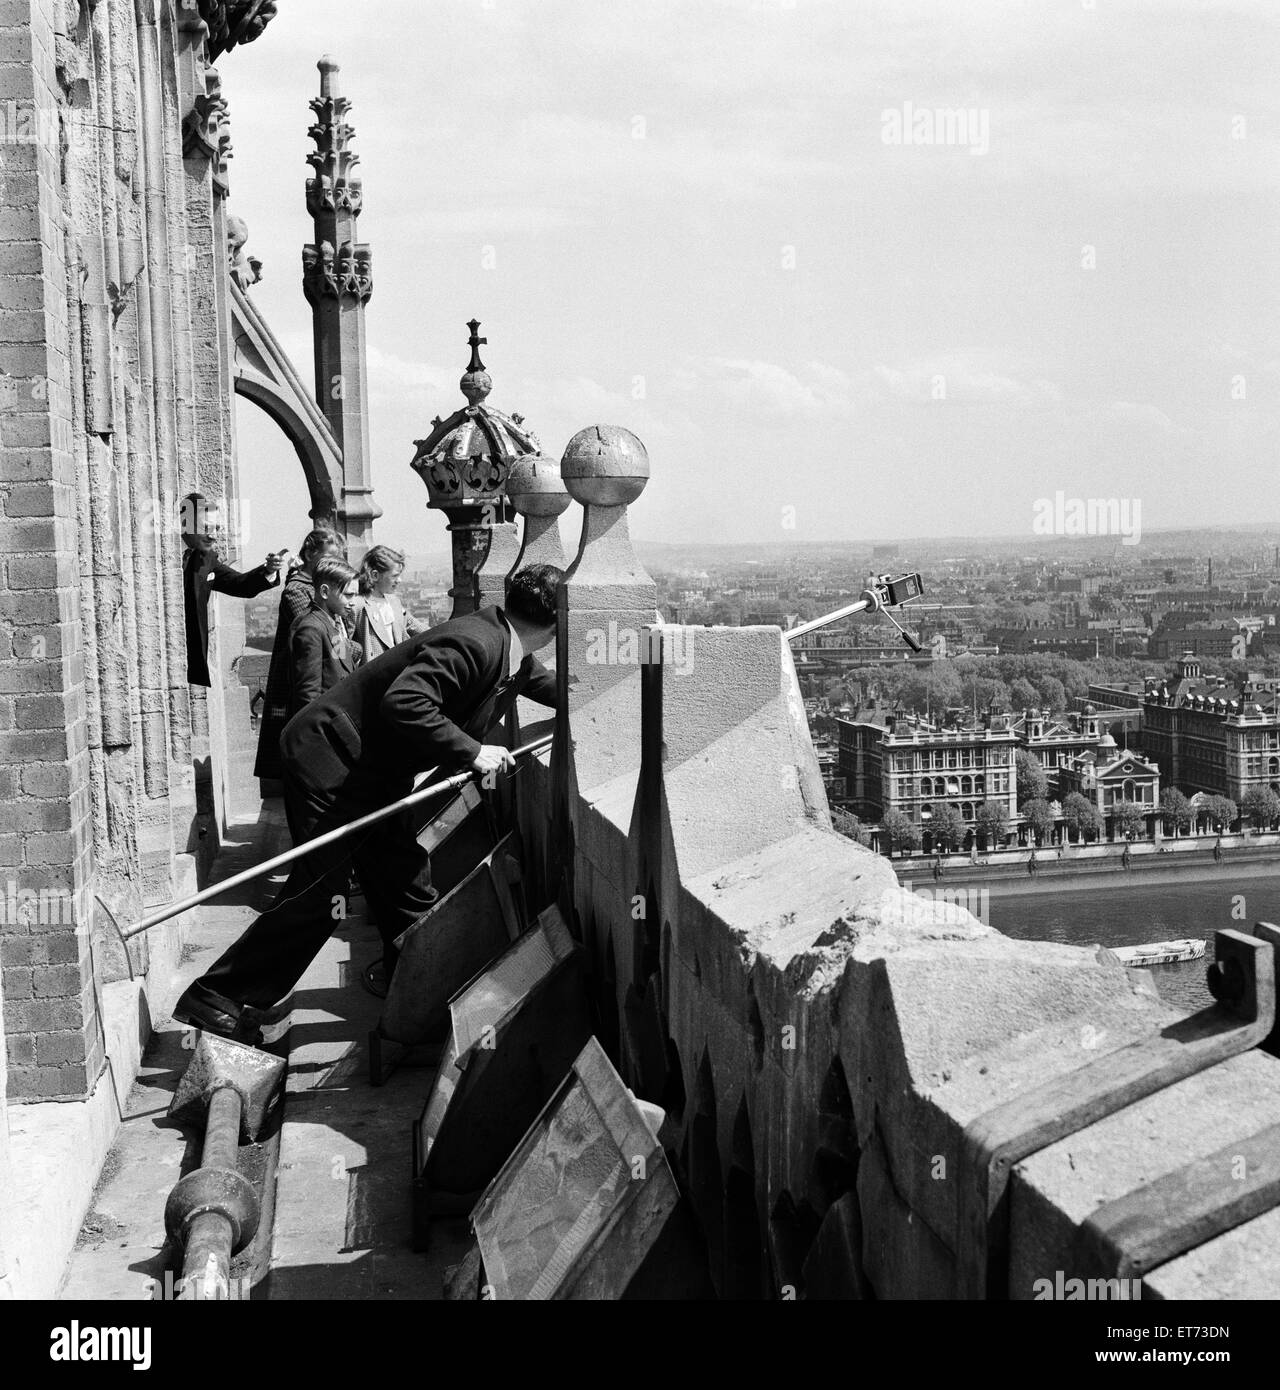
342, 1226
120, 1252
334, 1176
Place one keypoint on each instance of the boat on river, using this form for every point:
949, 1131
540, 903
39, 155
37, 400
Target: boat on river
1160, 952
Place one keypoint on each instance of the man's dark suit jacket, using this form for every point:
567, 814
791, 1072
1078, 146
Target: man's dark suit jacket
315, 664
202, 572
426, 703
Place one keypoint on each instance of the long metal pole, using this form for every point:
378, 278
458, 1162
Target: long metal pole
225, 885
861, 606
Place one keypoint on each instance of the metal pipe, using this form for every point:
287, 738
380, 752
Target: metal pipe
206, 1261
867, 601
329, 837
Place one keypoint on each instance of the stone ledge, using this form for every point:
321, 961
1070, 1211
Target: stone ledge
1239, 1264
1057, 1188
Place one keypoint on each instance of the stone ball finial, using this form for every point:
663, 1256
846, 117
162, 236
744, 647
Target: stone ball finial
605, 466
535, 487
475, 386
476, 383
328, 72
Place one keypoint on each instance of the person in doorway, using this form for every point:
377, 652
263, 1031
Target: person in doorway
205, 573
380, 619
320, 651
295, 599
425, 705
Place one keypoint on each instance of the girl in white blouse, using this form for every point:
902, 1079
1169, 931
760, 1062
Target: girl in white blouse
380, 618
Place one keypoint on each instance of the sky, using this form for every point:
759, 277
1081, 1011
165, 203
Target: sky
704, 220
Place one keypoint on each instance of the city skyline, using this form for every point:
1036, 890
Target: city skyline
732, 257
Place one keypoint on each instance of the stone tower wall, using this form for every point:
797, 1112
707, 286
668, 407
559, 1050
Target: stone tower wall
115, 400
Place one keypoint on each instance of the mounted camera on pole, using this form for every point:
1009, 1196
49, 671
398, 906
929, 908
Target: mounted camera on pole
883, 594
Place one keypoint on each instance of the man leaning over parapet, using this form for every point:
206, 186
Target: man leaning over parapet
425, 704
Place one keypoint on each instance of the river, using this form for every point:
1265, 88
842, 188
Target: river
1129, 913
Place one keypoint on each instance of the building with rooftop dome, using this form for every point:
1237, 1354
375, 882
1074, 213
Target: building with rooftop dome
1208, 736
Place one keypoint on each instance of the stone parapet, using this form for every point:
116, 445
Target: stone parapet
820, 1037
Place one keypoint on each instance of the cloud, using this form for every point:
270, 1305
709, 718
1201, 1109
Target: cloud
389, 372
767, 391
952, 379
1136, 413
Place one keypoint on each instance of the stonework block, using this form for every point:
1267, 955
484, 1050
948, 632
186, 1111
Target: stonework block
28, 430
37, 572
41, 746
42, 711
47, 780
54, 848
48, 1083
20, 1049
30, 499
60, 1049
19, 951
57, 982
41, 534
22, 326
19, 84
19, 984
25, 816
22, 291
18, 16
26, 465
28, 674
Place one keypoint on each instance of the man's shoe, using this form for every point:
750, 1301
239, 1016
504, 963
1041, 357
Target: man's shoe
200, 1008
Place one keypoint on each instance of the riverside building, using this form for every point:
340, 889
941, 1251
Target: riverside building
1207, 736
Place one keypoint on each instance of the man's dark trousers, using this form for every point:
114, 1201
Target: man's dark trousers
423, 705
394, 873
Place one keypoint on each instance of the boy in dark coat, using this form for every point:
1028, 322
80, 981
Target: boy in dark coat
425, 705
295, 599
320, 651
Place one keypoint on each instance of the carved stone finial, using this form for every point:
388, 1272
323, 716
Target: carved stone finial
538, 494
605, 466
535, 487
335, 187
476, 382
328, 70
